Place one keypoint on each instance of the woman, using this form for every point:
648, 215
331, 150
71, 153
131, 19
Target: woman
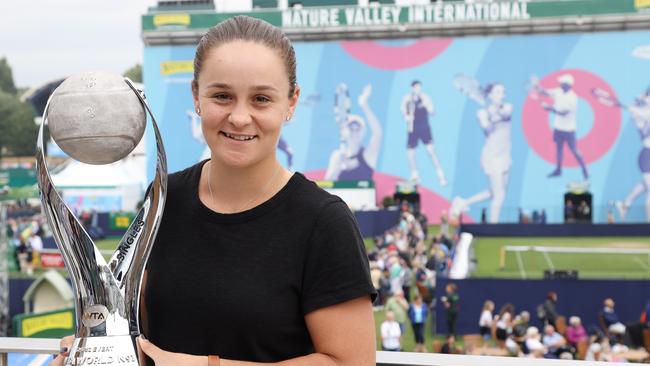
253, 264
494, 118
352, 160
640, 111
418, 313
485, 321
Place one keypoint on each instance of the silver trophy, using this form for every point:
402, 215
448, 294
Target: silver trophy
107, 295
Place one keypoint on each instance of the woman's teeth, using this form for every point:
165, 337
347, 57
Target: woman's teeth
238, 137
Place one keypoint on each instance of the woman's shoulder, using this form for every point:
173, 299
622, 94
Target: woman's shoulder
307, 193
182, 178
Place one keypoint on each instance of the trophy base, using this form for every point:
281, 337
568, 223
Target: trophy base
109, 350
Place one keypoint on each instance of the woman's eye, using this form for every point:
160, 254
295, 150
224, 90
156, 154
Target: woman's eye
262, 99
221, 97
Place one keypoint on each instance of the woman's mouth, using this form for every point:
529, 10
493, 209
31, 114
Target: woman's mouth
238, 137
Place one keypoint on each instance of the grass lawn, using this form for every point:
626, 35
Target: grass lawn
589, 265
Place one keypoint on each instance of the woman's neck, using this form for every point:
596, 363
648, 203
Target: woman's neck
231, 189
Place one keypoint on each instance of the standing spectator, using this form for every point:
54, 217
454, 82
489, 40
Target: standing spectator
407, 279
391, 334
384, 287
575, 332
398, 305
418, 313
451, 303
504, 327
25, 257
444, 223
485, 321
546, 311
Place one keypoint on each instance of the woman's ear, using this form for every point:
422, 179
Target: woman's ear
195, 97
293, 102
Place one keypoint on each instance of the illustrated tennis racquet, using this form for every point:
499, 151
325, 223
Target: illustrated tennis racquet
470, 87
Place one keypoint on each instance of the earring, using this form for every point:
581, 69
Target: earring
198, 110
288, 117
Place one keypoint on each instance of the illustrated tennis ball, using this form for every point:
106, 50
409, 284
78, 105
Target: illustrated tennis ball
96, 118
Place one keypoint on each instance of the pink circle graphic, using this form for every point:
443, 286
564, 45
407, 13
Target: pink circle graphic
395, 58
431, 203
597, 142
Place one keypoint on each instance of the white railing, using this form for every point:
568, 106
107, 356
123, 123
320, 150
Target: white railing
51, 346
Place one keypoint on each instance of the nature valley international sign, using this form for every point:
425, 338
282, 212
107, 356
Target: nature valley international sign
395, 15
445, 13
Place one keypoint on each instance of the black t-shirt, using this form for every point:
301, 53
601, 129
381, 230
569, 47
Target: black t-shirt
239, 285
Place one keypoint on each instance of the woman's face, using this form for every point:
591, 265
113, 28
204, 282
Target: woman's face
242, 95
497, 94
353, 132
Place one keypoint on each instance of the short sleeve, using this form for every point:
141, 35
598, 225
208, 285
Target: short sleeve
336, 264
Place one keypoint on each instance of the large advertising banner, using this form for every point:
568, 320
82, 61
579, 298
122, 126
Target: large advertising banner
486, 126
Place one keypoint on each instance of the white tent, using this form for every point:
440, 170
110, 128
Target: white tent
113, 187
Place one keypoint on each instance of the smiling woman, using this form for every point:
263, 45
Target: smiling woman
253, 263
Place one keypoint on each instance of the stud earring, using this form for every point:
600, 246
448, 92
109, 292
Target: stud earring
198, 110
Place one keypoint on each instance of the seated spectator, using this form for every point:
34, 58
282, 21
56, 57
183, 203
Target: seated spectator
450, 346
391, 335
485, 321
554, 342
519, 327
533, 345
609, 317
595, 353
575, 332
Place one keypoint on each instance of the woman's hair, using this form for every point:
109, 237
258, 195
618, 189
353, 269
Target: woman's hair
245, 28
488, 304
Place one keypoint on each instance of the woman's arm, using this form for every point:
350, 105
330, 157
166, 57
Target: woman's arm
343, 335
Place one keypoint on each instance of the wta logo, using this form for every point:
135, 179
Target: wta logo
94, 315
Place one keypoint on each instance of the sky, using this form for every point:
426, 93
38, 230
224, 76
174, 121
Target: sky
44, 40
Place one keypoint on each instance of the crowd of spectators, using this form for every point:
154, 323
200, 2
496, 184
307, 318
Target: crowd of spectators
26, 228
404, 265
609, 341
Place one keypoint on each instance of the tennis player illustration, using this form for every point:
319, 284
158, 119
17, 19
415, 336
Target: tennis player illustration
416, 108
494, 118
564, 108
640, 113
352, 160
197, 134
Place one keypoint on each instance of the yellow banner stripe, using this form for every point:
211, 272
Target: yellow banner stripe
176, 67
171, 19
31, 326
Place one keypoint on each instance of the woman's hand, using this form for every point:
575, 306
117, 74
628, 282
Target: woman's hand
64, 344
163, 358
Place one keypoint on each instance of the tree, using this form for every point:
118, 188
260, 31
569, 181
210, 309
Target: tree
6, 77
18, 132
134, 73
